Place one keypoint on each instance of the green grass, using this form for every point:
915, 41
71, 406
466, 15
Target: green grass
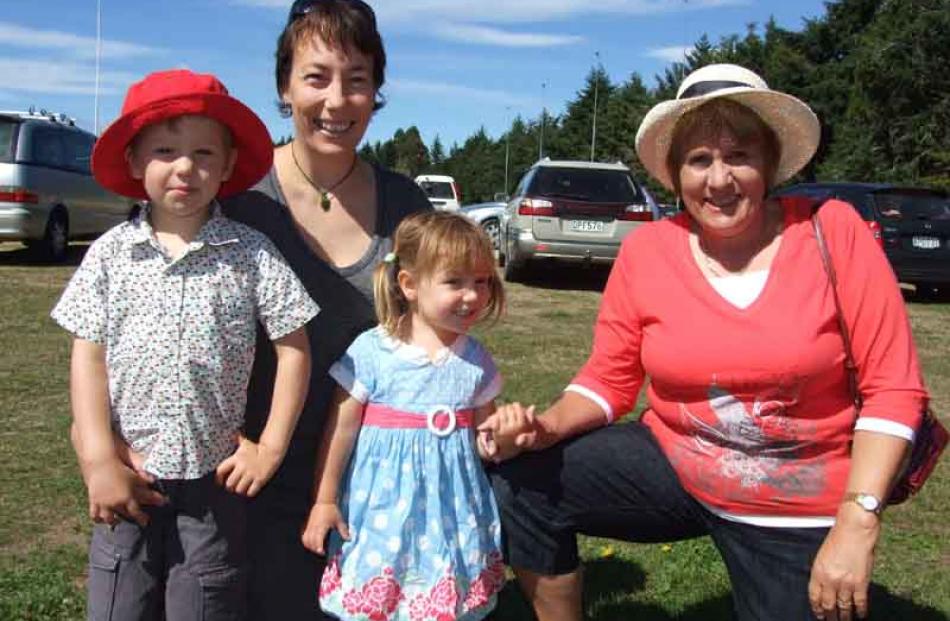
542, 341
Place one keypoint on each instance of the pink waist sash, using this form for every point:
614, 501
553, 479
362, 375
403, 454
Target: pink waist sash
439, 420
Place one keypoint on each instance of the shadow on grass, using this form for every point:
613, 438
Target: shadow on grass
922, 294
32, 257
566, 276
610, 583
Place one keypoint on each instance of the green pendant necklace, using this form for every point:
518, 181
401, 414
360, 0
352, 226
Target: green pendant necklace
324, 192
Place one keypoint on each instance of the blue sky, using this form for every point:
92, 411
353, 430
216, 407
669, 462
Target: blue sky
454, 65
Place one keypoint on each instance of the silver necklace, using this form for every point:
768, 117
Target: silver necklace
717, 268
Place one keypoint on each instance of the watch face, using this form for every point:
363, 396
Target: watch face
870, 503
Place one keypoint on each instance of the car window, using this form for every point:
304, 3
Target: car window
606, 186
814, 192
7, 132
899, 205
437, 189
78, 150
859, 199
46, 147
523, 184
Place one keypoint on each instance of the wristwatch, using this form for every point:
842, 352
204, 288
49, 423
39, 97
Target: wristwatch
868, 502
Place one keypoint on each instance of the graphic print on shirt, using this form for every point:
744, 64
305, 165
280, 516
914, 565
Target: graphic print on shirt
755, 445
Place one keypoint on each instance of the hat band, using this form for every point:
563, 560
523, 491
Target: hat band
710, 86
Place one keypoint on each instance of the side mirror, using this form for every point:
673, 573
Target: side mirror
501, 197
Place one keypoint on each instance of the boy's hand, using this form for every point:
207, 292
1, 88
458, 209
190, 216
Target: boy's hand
512, 428
117, 492
250, 468
132, 459
324, 517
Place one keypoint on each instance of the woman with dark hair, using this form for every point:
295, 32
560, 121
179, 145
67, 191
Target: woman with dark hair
332, 216
750, 433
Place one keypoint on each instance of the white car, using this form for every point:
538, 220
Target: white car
442, 191
488, 216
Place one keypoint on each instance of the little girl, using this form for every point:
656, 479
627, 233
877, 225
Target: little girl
417, 530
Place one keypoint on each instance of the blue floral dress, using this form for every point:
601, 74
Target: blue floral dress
424, 528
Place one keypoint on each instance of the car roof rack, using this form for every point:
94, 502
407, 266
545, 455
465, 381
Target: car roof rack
41, 114
547, 162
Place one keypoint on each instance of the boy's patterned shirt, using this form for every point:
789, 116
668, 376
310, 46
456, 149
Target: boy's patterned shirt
179, 334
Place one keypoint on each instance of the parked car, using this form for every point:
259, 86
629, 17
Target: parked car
488, 216
47, 193
571, 211
911, 224
668, 210
442, 191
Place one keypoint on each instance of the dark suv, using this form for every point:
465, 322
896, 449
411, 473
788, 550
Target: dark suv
47, 193
572, 211
911, 224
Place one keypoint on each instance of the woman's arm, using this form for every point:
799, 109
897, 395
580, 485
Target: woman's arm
571, 415
253, 464
342, 428
842, 569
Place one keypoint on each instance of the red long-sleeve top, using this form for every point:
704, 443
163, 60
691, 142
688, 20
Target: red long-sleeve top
752, 405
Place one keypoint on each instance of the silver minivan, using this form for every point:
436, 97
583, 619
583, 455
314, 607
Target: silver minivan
48, 195
571, 211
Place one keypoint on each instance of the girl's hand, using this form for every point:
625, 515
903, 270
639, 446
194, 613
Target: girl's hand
324, 517
512, 428
117, 492
250, 468
841, 572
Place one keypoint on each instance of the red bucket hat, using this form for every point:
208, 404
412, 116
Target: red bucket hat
166, 94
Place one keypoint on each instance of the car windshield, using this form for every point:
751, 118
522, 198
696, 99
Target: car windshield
438, 189
7, 131
912, 205
583, 184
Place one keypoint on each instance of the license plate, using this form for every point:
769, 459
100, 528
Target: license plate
925, 243
585, 226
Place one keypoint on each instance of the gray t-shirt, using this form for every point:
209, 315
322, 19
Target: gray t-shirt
346, 309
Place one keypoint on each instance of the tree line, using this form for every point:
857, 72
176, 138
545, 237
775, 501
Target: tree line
877, 73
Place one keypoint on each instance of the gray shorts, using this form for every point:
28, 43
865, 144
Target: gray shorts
188, 564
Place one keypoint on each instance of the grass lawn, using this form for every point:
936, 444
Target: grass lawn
543, 339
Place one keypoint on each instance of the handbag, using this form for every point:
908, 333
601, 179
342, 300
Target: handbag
931, 437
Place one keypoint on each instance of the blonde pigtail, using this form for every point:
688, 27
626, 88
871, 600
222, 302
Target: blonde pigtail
389, 301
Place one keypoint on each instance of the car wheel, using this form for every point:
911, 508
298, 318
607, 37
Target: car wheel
493, 230
55, 241
515, 266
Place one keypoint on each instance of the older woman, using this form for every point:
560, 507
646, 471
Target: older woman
750, 434
332, 216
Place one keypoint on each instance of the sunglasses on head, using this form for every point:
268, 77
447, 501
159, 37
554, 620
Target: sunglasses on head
303, 7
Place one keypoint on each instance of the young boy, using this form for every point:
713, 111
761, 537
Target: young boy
164, 311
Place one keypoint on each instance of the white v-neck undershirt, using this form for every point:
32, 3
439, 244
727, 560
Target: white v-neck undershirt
740, 290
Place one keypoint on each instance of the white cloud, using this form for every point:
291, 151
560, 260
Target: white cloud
672, 54
445, 89
525, 11
429, 12
485, 35
78, 46
62, 78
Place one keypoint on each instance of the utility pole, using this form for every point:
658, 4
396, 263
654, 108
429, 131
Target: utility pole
544, 114
593, 129
507, 144
98, 55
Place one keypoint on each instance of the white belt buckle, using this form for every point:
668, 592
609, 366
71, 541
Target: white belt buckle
430, 420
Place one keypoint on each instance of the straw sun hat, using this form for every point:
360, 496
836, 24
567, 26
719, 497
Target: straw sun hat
794, 123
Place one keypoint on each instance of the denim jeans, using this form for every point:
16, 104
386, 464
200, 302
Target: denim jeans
616, 483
